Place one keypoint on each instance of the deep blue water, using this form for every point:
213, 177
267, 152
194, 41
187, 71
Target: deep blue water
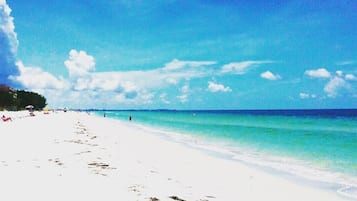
319, 145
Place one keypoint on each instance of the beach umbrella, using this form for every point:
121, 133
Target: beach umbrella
29, 107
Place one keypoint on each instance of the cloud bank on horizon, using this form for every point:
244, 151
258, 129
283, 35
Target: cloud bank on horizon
232, 82
8, 44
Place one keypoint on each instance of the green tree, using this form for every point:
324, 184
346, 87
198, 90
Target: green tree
25, 98
6, 99
18, 99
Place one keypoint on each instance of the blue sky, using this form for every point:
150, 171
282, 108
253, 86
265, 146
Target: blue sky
182, 54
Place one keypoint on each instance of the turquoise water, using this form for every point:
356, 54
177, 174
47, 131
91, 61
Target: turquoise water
319, 145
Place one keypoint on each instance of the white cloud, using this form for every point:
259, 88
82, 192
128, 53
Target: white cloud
8, 46
35, 78
241, 67
215, 87
334, 85
132, 85
163, 98
79, 63
145, 97
184, 93
177, 64
185, 88
171, 80
350, 77
183, 98
87, 87
304, 95
339, 73
307, 96
343, 63
7, 25
318, 73
145, 79
270, 76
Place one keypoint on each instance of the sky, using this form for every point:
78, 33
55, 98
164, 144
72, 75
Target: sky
171, 54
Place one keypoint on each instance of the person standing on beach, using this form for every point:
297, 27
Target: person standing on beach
130, 117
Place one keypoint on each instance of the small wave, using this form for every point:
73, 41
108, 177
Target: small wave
348, 191
344, 184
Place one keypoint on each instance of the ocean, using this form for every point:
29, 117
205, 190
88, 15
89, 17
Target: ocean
315, 146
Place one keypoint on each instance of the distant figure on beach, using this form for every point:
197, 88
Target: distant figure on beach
104, 114
4, 118
130, 117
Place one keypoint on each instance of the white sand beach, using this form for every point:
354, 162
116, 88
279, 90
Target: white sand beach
76, 156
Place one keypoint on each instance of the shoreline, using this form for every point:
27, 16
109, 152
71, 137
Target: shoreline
77, 152
297, 171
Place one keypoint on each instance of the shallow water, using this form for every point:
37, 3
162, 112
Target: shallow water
318, 145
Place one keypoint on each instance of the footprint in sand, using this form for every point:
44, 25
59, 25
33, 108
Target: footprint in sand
82, 152
98, 167
4, 163
137, 188
56, 161
174, 197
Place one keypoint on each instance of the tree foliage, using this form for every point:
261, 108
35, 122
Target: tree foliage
11, 99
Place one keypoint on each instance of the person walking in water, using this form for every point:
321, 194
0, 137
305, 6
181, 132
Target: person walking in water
130, 117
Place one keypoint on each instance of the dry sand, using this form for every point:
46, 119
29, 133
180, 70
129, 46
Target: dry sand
76, 156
